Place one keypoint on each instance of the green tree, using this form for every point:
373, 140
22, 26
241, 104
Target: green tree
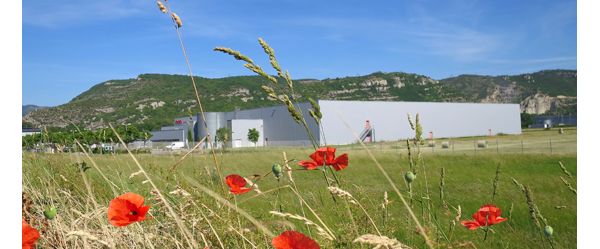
526, 120
223, 135
253, 135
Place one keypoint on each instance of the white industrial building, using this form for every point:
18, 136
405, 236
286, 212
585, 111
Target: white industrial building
388, 122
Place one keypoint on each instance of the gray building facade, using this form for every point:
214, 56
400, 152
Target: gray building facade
388, 120
278, 126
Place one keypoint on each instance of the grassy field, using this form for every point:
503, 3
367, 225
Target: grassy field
82, 197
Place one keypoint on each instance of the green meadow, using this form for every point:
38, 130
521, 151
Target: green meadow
80, 187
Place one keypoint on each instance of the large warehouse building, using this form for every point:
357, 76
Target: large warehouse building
387, 121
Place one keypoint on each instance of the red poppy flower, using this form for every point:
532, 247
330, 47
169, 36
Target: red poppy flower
325, 156
126, 209
237, 184
294, 240
30, 236
490, 211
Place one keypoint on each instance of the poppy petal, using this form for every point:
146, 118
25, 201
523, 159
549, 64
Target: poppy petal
309, 165
133, 198
240, 190
499, 219
142, 211
341, 162
235, 180
471, 225
293, 240
324, 155
30, 235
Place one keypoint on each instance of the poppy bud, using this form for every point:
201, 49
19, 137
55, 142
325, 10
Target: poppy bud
276, 169
50, 212
410, 176
548, 231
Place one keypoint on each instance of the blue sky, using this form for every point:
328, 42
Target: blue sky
71, 45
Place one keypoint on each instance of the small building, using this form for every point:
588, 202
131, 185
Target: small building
549, 121
30, 131
170, 134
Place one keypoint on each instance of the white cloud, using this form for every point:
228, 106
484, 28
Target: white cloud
427, 35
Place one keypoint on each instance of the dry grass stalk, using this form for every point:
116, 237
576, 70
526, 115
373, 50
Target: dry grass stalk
342, 194
380, 242
532, 207
186, 233
134, 174
391, 182
458, 214
442, 185
263, 193
212, 228
180, 192
198, 101
253, 185
569, 185
313, 212
519, 185
111, 184
306, 221
223, 201
386, 201
565, 170
496, 180
347, 196
188, 153
87, 236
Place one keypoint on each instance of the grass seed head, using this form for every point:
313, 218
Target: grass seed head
380, 242
236, 54
342, 194
271, 53
161, 7
176, 19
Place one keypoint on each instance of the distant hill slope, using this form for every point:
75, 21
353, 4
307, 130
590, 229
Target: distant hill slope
29, 108
152, 100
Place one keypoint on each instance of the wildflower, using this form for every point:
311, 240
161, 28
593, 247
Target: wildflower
30, 235
294, 240
50, 212
489, 211
325, 156
126, 209
237, 184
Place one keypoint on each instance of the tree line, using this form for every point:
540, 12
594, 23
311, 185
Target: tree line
68, 138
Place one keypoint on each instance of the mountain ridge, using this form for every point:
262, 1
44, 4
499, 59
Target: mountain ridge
153, 100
